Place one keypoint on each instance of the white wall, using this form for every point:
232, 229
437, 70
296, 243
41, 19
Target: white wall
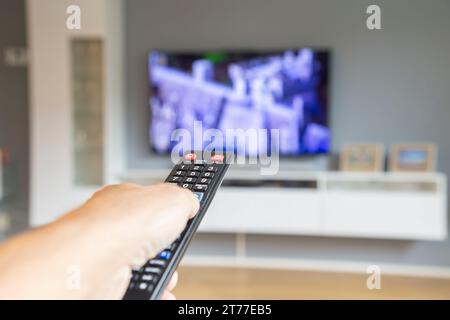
386, 86
372, 77
52, 190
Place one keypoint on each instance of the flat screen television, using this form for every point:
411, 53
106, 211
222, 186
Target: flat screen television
285, 90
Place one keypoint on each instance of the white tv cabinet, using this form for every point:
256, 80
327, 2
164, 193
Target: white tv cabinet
364, 205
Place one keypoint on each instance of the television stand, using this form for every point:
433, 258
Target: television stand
409, 206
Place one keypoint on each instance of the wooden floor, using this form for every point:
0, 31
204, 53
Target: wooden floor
238, 283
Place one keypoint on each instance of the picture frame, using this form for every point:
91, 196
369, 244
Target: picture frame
412, 157
362, 157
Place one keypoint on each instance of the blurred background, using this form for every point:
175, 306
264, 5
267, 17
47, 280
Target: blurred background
359, 206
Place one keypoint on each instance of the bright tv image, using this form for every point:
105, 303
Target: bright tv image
285, 90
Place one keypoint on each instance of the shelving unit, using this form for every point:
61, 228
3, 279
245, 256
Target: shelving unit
364, 205
56, 158
379, 206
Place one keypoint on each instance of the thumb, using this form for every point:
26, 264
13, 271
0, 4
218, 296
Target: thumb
171, 208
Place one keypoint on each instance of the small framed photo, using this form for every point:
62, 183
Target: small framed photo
413, 157
362, 157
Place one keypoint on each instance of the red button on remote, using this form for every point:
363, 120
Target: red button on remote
217, 158
190, 156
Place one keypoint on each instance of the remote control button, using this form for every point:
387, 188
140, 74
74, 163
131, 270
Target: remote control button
200, 187
190, 156
175, 179
186, 186
217, 158
211, 168
143, 286
193, 174
148, 277
182, 167
181, 173
197, 168
207, 175
154, 270
157, 262
199, 195
166, 254
204, 181
190, 179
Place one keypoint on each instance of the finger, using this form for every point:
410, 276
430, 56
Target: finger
166, 210
173, 282
168, 296
130, 185
179, 206
119, 284
140, 258
194, 204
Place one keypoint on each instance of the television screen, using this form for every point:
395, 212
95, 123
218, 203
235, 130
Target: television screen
285, 90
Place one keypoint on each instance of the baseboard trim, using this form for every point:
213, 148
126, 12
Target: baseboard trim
406, 270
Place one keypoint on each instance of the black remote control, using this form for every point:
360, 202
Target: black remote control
202, 174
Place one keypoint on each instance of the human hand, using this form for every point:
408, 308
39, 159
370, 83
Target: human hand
118, 228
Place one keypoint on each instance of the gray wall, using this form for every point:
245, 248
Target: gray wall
14, 108
388, 86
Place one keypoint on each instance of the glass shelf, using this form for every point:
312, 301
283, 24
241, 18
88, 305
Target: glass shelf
87, 114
